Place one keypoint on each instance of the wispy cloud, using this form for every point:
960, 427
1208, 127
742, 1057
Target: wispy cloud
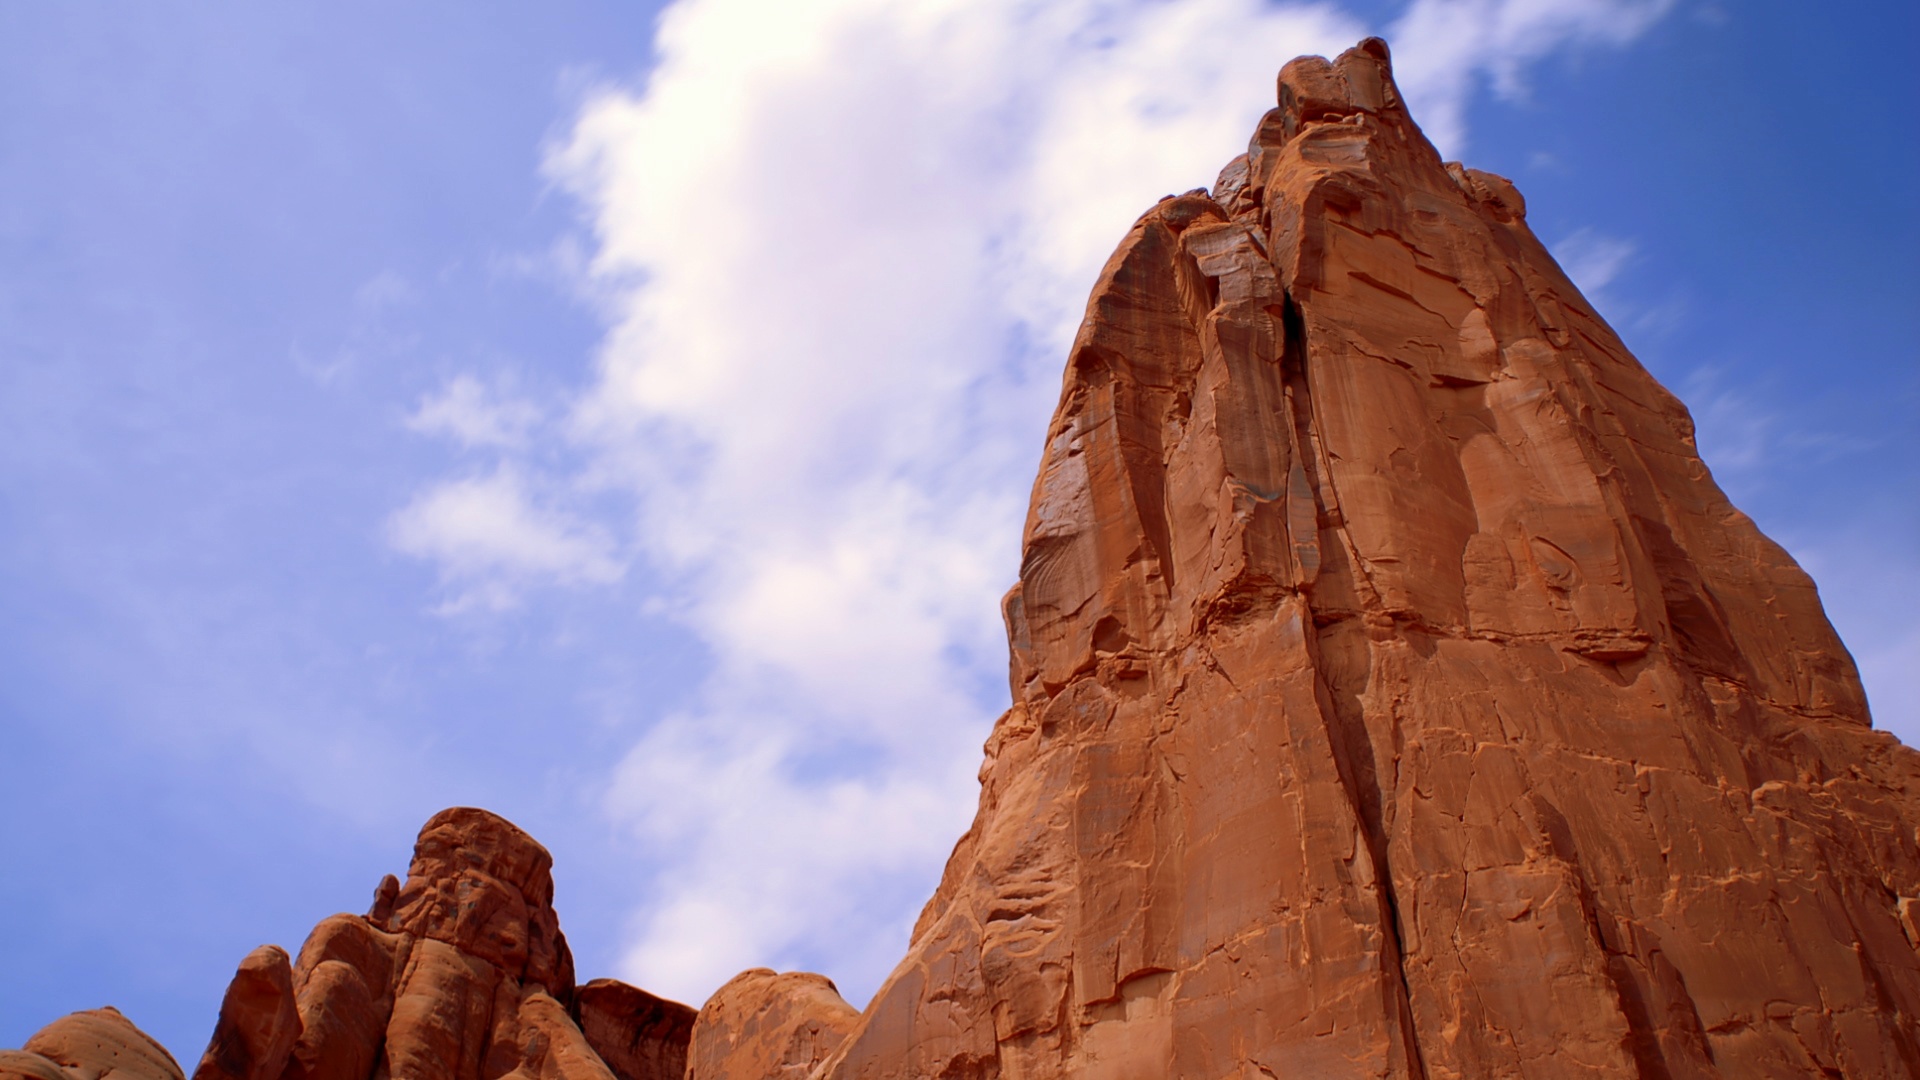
1735, 429
1444, 49
372, 329
1593, 259
383, 291
475, 415
492, 539
1868, 578
841, 247
1747, 431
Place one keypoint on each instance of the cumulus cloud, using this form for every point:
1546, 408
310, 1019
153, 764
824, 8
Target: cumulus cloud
491, 539
861, 233
842, 246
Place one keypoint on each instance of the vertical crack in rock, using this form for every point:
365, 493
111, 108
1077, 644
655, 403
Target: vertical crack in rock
1341, 707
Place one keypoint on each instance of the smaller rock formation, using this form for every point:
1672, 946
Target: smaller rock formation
460, 974
638, 1036
767, 1026
98, 1044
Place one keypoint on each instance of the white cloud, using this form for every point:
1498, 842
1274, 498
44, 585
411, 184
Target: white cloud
491, 540
467, 411
1444, 49
847, 242
1593, 259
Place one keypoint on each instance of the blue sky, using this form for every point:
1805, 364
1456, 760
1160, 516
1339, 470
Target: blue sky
624, 424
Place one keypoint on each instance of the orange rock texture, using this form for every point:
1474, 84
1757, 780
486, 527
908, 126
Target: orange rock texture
769, 1026
98, 1044
1395, 693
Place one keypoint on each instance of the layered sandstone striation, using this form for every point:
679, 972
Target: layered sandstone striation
1395, 693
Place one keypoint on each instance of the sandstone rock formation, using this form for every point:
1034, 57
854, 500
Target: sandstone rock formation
638, 1036
98, 1044
1395, 693
462, 973
769, 1026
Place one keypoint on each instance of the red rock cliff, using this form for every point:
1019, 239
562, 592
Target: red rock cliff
1395, 693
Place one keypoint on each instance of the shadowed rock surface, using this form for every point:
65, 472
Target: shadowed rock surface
1394, 695
638, 1035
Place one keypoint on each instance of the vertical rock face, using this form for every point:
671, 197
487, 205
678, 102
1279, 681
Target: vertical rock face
1395, 694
